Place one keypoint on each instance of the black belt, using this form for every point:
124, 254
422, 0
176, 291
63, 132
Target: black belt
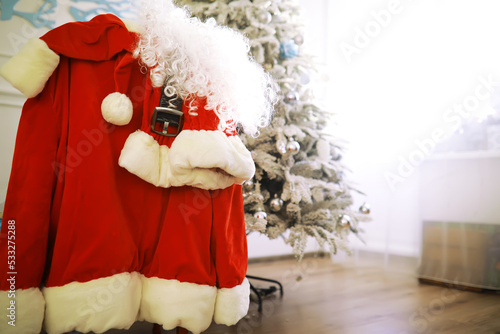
169, 115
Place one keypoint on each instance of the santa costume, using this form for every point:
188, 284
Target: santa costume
116, 213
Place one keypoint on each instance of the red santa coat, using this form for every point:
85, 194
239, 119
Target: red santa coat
114, 223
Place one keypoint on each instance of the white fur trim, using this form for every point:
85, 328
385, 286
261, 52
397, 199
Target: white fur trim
232, 304
29, 311
117, 109
97, 305
29, 70
195, 156
172, 303
141, 156
202, 159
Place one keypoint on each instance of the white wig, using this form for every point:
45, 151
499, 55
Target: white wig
204, 59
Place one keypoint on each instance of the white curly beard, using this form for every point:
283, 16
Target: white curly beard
204, 59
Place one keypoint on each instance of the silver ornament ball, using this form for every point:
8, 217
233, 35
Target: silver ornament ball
260, 215
365, 208
344, 221
293, 147
276, 204
291, 97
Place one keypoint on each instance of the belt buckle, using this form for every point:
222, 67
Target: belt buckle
167, 117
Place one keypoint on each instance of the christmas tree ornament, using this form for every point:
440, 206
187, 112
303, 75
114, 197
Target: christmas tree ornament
299, 39
364, 208
289, 49
293, 147
344, 221
268, 66
260, 214
248, 185
276, 204
264, 17
291, 97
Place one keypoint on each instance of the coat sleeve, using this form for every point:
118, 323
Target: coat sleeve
25, 226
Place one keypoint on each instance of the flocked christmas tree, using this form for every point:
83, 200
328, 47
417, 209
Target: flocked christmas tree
299, 184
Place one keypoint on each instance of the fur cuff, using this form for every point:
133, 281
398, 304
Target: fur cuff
23, 311
172, 303
29, 70
97, 305
202, 159
232, 304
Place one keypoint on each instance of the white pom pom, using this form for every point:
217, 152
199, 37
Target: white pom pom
117, 109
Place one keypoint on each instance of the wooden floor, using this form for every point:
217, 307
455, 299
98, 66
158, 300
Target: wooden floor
322, 297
